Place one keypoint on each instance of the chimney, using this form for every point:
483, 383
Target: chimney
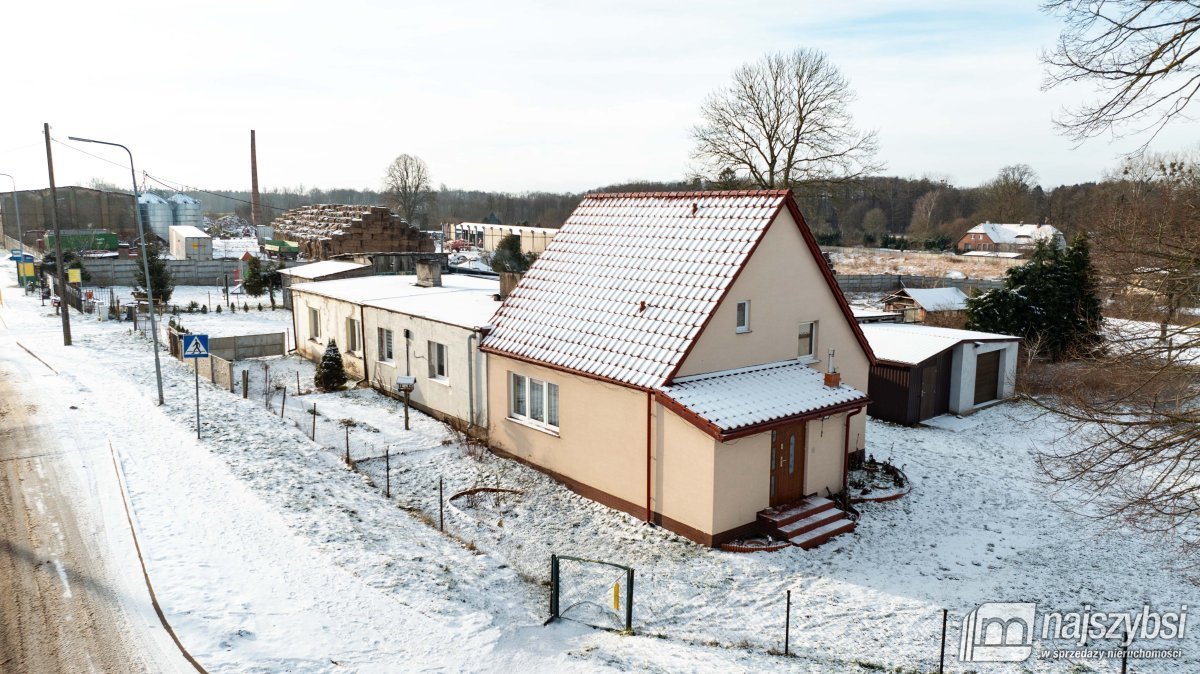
833, 378
255, 204
429, 273
508, 281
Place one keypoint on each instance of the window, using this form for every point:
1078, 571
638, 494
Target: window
353, 342
743, 316
437, 361
314, 323
532, 400
385, 344
808, 340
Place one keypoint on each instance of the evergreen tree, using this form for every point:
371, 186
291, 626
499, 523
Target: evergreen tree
1049, 301
161, 281
331, 374
508, 255
254, 282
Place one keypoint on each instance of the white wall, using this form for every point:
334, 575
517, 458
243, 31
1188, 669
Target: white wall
962, 373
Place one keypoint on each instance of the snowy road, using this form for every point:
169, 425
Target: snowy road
68, 602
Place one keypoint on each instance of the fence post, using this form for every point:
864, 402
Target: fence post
245, 384
347, 444
942, 653
1124, 652
283, 405
629, 601
387, 472
441, 506
297, 382
314, 426
553, 586
787, 626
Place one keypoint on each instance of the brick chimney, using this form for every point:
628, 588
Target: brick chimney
833, 378
429, 273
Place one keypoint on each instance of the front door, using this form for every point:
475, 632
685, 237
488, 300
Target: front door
787, 464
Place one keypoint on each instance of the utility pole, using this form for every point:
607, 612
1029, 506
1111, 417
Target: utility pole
58, 256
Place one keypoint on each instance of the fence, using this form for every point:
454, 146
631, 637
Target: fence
218, 366
868, 283
123, 272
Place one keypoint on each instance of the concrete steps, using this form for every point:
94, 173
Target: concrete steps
806, 523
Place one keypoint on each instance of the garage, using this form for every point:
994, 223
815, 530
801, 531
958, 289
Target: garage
987, 376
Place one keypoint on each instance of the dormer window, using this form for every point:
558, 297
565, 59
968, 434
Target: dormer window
743, 316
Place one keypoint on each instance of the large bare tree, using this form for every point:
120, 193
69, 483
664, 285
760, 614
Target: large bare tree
408, 187
1139, 53
1009, 196
784, 120
1135, 446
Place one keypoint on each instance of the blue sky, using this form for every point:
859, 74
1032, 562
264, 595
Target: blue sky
513, 96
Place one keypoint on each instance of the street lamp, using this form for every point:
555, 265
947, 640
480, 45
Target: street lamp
137, 212
20, 234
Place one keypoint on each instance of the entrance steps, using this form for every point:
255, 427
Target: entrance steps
806, 523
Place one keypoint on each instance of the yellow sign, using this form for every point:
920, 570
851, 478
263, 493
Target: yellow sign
74, 276
616, 596
26, 269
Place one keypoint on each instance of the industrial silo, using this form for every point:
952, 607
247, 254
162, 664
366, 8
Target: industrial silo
157, 216
187, 211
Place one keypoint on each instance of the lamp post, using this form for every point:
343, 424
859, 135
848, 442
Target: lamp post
20, 234
137, 212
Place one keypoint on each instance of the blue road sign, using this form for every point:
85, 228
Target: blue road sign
195, 346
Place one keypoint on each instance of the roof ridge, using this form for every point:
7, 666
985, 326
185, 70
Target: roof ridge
688, 194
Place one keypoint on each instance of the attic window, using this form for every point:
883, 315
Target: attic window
743, 316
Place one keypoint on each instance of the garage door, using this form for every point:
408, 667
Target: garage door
987, 376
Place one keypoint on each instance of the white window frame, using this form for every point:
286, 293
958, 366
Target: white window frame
742, 316
314, 324
385, 346
546, 417
812, 340
438, 357
353, 340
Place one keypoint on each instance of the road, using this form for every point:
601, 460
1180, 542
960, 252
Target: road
72, 598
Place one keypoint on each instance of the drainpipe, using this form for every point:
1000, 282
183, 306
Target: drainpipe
295, 335
362, 326
649, 453
846, 451
474, 336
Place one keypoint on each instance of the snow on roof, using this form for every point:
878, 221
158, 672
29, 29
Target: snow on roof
467, 301
181, 198
914, 344
750, 396
1016, 233
318, 269
938, 299
150, 198
860, 312
630, 279
189, 231
990, 253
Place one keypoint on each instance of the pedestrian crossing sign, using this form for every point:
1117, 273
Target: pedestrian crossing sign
195, 346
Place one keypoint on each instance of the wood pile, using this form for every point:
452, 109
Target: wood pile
326, 230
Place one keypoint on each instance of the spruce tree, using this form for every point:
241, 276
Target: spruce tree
161, 281
331, 374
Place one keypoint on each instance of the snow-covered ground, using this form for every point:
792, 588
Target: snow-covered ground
269, 554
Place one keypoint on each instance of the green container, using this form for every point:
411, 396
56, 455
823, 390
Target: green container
84, 239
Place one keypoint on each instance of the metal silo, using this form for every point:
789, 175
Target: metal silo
187, 211
157, 215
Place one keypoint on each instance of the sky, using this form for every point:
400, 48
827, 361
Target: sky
510, 96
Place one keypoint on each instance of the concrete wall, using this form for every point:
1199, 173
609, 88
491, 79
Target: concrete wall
868, 283
962, 373
117, 272
249, 346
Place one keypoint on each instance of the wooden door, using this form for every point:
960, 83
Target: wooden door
987, 376
787, 464
928, 392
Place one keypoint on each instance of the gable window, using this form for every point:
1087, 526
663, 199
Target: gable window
437, 361
385, 344
533, 401
808, 340
353, 341
314, 323
743, 316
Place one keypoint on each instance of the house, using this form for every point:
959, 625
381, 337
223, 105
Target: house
1009, 238
666, 356
426, 326
922, 371
947, 305
868, 314
325, 270
487, 236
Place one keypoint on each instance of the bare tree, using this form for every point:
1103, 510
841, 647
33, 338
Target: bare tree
922, 224
784, 120
1135, 409
408, 187
1009, 196
1139, 53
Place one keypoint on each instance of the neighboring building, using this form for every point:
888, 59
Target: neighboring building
865, 314
487, 236
78, 208
1006, 238
665, 355
427, 326
326, 270
190, 243
323, 231
922, 372
917, 305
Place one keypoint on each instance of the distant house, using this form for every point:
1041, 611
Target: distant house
487, 235
921, 304
426, 326
325, 270
666, 356
921, 372
994, 237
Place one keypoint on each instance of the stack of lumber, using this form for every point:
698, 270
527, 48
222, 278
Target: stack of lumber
325, 230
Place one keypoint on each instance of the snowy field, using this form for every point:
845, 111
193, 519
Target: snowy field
269, 554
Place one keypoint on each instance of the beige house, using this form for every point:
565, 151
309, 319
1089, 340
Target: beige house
667, 355
392, 326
